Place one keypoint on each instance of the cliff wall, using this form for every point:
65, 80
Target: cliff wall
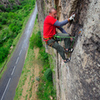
78, 79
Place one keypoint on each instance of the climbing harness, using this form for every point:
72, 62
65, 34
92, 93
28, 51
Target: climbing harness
47, 38
46, 41
50, 44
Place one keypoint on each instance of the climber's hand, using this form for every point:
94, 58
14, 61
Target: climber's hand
72, 17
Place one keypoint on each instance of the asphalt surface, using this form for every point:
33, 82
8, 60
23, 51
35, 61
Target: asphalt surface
9, 81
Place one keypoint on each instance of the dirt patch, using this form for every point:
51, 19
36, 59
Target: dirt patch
32, 76
36, 75
36, 51
25, 88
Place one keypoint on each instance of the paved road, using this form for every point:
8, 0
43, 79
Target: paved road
9, 81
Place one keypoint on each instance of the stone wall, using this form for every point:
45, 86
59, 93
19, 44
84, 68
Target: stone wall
79, 79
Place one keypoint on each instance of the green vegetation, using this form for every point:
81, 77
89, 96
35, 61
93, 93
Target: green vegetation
28, 71
35, 40
11, 25
48, 74
46, 89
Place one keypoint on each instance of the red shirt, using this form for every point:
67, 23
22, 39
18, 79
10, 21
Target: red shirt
49, 29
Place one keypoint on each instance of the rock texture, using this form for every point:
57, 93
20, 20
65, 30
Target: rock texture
80, 78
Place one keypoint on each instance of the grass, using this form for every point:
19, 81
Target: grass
46, 89
12, 23
27, 71
15, 41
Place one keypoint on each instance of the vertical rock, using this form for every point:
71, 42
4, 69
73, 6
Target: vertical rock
79, 79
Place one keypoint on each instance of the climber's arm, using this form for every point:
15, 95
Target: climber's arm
62, 30
57, 23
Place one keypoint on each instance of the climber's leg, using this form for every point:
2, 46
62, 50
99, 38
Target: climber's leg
64, 37
58, 47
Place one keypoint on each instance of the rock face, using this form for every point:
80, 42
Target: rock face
80, 78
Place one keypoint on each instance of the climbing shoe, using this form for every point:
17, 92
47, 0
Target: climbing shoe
69, 50
67, 60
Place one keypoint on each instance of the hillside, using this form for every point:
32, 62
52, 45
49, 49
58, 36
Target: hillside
12, 23
78, 79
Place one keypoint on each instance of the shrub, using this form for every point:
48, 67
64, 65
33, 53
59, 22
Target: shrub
10, 43
5, 32
4, 21
12, 24
35, 40
3, 53
15, 29
15, 7
2, 8
4, 15
20, 17
33, 2
8, 9
12, 15
45, 88
44, 56
4, 36
15, 26
0, 26
48, 74
0, 18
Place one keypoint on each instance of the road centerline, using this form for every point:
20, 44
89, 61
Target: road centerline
5, 89
20, 52
13, 70
17, 60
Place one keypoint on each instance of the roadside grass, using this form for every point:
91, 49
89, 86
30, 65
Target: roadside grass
45, 89
15, 41
28, 71
11, 24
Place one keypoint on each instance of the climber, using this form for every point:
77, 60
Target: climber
50, 35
